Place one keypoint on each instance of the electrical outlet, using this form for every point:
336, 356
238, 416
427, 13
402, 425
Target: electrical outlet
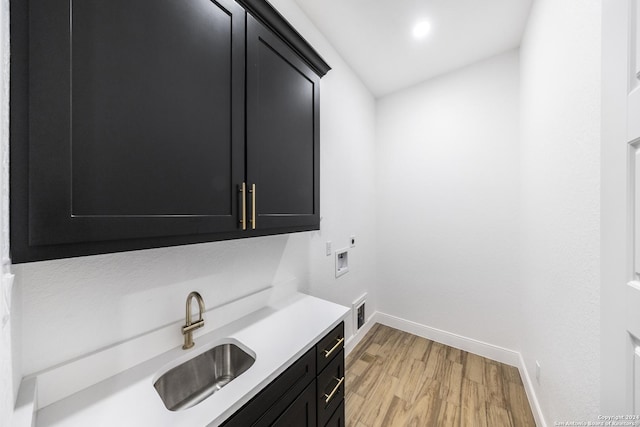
538, 372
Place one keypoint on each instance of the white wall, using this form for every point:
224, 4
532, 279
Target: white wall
75, 306
560, 136
616, 229
347, 176
10, 367
448, 182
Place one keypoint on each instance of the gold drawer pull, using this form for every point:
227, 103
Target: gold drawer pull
243, 194
327, 353
253, 206
334, 391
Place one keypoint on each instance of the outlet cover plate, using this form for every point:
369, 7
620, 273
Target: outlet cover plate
354, 310
342, 262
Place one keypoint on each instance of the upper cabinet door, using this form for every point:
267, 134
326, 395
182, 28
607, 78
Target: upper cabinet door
283, 133
134, 125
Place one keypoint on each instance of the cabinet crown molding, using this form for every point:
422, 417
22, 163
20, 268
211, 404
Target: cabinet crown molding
270, 17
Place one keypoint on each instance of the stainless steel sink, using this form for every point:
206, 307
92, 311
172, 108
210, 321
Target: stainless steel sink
190, 383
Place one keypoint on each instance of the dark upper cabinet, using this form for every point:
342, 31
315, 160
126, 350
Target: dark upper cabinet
282, 132
128, 125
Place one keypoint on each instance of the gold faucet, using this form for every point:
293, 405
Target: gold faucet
187, 330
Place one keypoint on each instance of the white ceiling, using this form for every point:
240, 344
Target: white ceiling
374, 36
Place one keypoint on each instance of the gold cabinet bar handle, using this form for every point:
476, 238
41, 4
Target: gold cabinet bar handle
334, 391
243, 194
327, 353
253, 206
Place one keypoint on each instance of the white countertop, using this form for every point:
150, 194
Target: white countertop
277, 335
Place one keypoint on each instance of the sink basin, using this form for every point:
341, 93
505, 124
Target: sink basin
190, 383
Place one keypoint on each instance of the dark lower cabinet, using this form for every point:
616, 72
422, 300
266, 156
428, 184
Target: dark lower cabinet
273, 400
338, 417
304, 395
330, 382
330, 388
302, 411
128, 123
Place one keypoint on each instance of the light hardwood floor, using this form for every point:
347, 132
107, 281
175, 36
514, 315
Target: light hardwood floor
395, 379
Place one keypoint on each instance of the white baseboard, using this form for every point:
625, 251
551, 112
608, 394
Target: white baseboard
490, 351
24, 412
471, 345
531, 394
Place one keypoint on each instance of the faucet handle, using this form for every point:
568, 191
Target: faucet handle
193, 326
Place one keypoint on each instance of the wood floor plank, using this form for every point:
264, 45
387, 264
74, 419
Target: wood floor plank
474, 368
370, 378
374, 349
473, 410
379, 400
435, 359
391, 345
395, 379
497, 416
358, 367
518, 405
419, 348
511, 374
494, 385
356, 353
401, 355
451, 390
455, 355
427, 404
398, 414
409, 381
383, 334
352, 380
449, 415
354, 405
367, 358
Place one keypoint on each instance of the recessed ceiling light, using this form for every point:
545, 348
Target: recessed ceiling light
421, 29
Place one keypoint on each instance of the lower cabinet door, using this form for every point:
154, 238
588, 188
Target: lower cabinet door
277, 397
302, 412
337, 419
